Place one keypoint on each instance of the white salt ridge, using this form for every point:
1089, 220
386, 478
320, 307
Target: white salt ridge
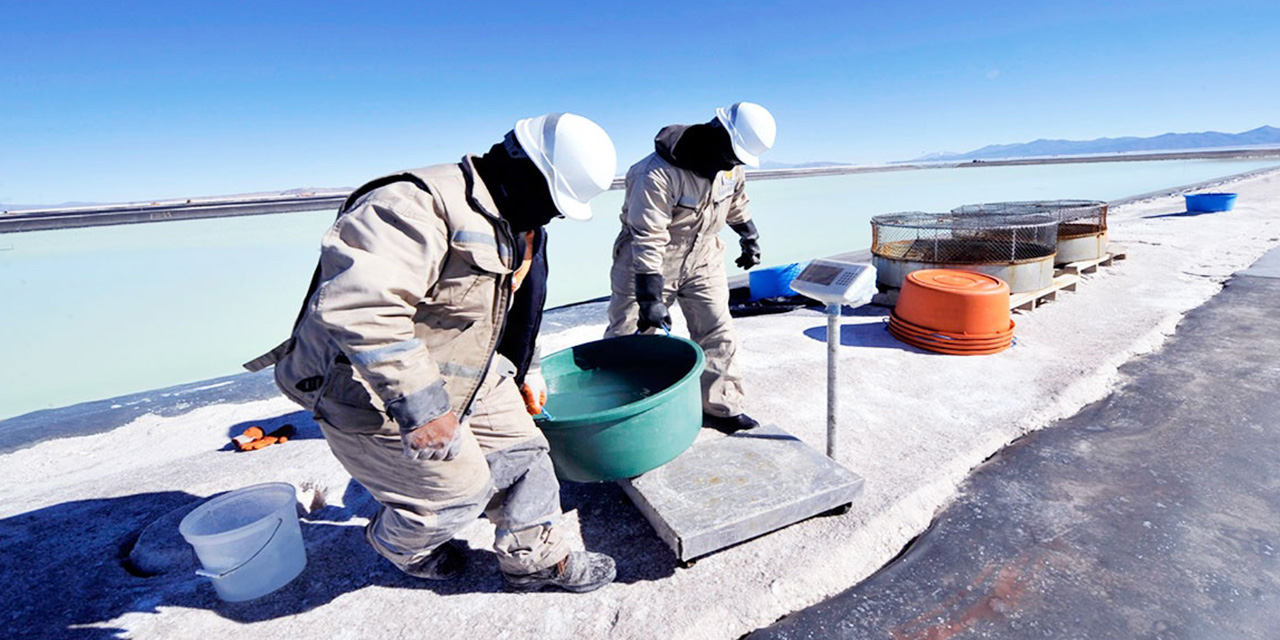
914, 424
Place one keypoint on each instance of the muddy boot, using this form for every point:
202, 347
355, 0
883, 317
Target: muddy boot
731, 424
446, 562
579, 572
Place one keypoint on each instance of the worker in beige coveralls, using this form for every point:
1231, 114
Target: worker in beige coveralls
394, 352
678, 199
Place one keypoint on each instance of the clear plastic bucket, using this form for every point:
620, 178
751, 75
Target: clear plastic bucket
248, 541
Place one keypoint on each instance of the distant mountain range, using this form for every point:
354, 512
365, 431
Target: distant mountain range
1166, 142
769, 164
1265, 136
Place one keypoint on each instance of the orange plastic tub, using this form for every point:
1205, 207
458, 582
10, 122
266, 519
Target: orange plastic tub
909, 327
950, 343
955, 302
952, 347
944, 339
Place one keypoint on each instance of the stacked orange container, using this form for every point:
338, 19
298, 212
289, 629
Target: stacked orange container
953, 312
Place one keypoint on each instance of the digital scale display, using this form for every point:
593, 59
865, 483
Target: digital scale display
835, 282
823, 274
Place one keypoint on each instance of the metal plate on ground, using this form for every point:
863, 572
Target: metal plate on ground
728, 490
1268, 266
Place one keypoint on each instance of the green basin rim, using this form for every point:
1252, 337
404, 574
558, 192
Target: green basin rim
638, 406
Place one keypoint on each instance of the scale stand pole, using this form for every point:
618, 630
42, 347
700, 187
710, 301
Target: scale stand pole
833, 346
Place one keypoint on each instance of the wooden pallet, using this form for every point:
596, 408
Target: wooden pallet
1114, 253
1065, 278
1032, 299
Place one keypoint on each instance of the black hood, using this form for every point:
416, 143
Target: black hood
701, 148
665, 142
518, 188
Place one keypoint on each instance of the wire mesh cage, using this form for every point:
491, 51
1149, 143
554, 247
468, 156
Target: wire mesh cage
1076, 218
958, 239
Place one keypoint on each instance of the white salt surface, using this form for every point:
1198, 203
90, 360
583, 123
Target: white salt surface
913, 425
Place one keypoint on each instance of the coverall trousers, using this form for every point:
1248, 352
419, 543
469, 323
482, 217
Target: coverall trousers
503, 471
696, 279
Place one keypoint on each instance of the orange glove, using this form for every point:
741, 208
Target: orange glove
260, 443
253, 438
248, 437
534, 391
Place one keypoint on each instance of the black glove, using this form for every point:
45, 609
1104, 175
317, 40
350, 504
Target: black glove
653, 314
748, 239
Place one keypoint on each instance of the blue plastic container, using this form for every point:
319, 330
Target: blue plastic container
772, 282
1210, 202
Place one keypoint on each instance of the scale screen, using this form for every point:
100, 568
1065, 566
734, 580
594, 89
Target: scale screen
823, 274
835, 282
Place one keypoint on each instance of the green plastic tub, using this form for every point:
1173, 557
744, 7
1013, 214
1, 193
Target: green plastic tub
619, 407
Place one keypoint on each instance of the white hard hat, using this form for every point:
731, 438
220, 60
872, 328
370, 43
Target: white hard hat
574, 154
751, 130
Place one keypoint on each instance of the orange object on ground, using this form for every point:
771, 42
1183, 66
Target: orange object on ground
949, 341
953, 312
253, 438
259, 443
947, 349
250, 435
950, 345
954, 301
907, 326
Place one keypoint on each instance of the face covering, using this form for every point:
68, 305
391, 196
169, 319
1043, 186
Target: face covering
704, 149
517, 186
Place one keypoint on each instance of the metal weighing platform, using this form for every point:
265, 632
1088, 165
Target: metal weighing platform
728, 490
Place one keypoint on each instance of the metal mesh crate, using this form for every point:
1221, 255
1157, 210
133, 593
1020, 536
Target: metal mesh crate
1076, 218
960, 239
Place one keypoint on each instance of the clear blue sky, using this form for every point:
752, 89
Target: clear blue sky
116, 101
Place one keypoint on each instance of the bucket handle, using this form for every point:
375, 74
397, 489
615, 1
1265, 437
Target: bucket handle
664, 327
545, 415
219, 575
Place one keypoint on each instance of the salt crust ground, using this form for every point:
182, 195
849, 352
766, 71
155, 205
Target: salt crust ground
914, 424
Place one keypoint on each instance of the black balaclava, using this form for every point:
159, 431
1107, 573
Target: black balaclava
517, 186
704, 149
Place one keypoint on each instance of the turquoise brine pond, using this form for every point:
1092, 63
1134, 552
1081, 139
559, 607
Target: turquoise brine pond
88, 314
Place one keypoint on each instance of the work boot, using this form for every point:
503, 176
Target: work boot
579, 572
446, 562
731, 424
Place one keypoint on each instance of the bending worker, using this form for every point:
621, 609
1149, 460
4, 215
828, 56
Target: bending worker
678, 199
394, 351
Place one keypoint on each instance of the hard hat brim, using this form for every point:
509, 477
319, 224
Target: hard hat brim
570, 208
745, 156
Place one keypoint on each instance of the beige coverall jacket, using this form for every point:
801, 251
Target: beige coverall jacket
414, 287
671, 221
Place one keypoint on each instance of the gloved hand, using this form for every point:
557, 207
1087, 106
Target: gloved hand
534, 391
653, 314
440, 439
253, 438
748, 240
